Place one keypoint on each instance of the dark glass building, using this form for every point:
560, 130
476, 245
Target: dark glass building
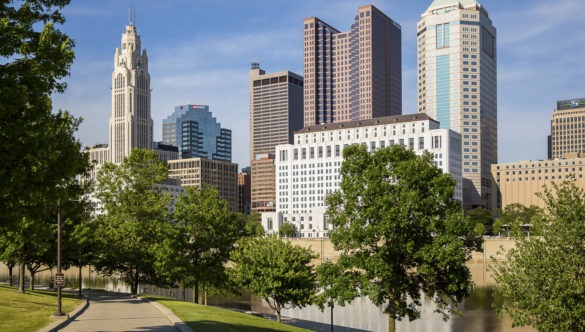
197, 134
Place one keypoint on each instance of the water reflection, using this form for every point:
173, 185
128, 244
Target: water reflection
477, 316
361, 315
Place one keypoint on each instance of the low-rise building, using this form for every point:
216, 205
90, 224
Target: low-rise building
519, 182
223, 175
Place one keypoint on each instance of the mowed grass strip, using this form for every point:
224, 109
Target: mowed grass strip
213, 319
30, 311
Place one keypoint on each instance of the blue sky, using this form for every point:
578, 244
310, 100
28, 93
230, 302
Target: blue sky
200, 53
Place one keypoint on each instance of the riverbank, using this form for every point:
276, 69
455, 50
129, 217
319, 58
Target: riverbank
213, 319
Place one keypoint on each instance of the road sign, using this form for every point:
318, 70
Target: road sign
59, 279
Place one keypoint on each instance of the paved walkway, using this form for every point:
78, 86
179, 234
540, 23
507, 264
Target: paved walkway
117, 312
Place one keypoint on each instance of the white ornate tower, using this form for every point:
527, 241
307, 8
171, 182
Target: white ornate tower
130, 122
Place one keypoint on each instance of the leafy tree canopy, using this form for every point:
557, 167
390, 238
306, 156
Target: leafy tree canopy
135, 228
38, 149
544, 278
275, 270
514, 217
287, 229
482, 220
208, 231
399, 230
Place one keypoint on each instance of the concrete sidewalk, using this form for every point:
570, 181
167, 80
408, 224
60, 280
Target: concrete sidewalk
119, 312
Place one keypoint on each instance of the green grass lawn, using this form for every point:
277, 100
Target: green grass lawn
213, 319
30, 311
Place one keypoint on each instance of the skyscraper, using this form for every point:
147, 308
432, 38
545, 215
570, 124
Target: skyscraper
457, 85
276, 111
567, 128
194, 130
352, 75
130, 122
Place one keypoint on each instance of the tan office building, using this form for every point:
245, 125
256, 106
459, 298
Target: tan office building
352, 75
276, 111
263, 194
457, 86
223, 175
519, 182
567, 128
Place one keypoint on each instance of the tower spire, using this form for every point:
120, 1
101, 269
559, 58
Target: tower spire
131, 16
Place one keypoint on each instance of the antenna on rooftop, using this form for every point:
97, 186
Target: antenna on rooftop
131, 16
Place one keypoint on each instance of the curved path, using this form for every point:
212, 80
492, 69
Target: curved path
118, 312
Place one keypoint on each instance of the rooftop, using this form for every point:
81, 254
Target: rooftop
368, 122
444, 3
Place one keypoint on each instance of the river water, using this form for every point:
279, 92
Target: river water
477, 313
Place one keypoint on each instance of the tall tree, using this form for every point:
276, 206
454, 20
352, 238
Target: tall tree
209, 231
544, 277
275, 270
400, 231
135, 226
39, 150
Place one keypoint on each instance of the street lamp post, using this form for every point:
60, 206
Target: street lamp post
59, 277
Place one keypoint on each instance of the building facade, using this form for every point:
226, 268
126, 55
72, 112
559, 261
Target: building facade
355, 74
309, 169
567, 128
130, 122
276, 111
223, 175
457, 82
165, 152
244, 191
519, 182
194, 130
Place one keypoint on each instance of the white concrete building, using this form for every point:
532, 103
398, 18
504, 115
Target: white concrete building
309, 170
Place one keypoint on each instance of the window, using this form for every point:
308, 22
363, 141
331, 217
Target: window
442, 35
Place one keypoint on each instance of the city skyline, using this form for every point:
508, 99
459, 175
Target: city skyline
195, 60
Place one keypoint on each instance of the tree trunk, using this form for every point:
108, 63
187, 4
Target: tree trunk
278, 315
183, 289
134, 285
32, 280
80, 280
196, 291
205, 295
10, 281
21, 278
391, 324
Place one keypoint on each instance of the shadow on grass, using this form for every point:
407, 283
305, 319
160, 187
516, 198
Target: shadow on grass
214, 326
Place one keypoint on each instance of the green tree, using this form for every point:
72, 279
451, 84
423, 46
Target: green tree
254, 224
332, 288
544, 278
400, 231
208, 233
287, 229
482, 220
39, 150
135, 228
514, 217
275, 270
